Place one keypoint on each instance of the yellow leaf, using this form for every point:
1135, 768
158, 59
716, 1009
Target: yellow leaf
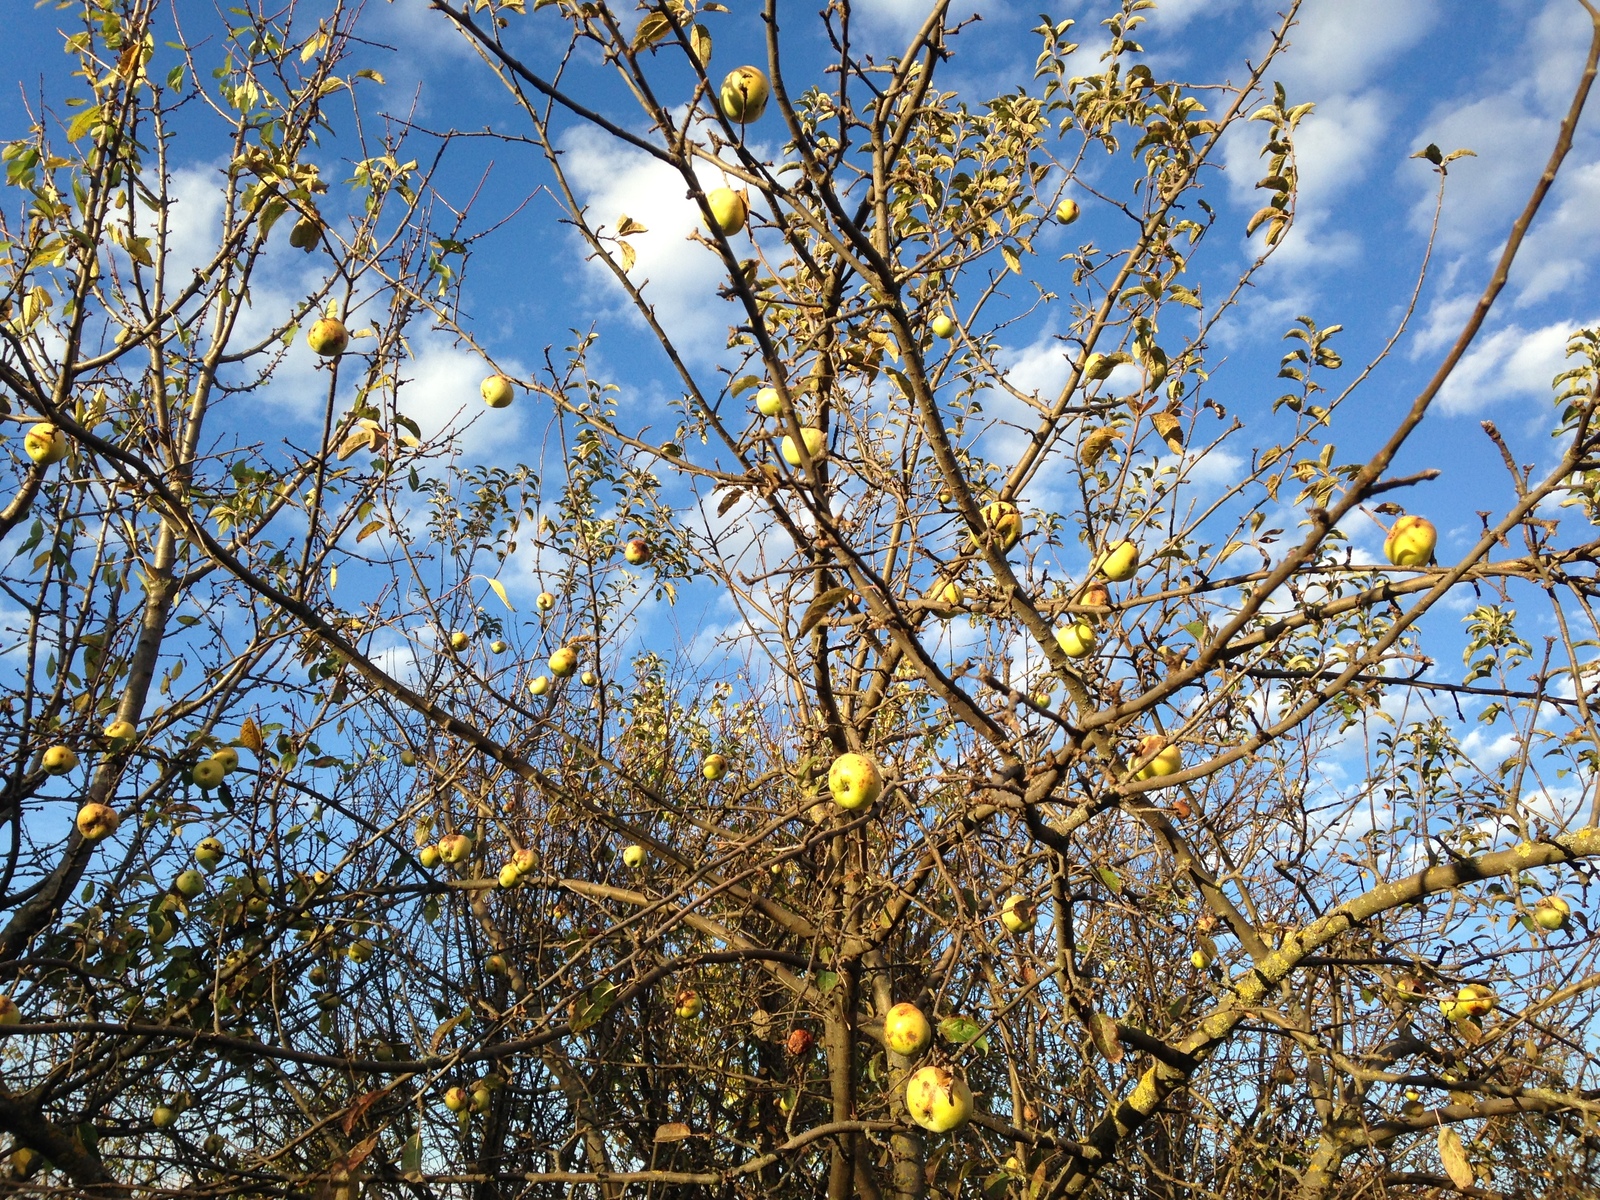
500, 590
1454, 1156
1170, 429
250, 735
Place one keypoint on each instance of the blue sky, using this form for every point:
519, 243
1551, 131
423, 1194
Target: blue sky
1491, 76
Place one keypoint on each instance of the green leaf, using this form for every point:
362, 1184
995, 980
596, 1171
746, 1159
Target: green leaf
961, 1030
1111, 879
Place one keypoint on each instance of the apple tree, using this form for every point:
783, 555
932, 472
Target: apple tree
1078, 802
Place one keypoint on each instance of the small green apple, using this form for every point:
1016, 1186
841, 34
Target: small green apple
943, 325
563, 662
744, 95
207, 773
938, 1100
768, 402
163, 1115
208, 853
526, 859
429, 856
633, 856
905, 1030
1067, 211
545, 601
189, 884
1119, 562
637, 551
58, 760
816, 445
328, 337
10, 1014
498, 647
455, 848
408, 758
714, 767
1076, 640
1473, 1000
227, 758
96, 821
729, 210
1018, 914
509, 876
687, 1004
497, 391
460, 639
1411, 542
588, 679
1551, 913
496, 964
360, 950
854, 781
539, 684
1163, 759
120, 733
45, 444
1003, 523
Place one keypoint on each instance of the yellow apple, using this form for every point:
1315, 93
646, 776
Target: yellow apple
768, 402
408, 758
1003, 522
687, 1004
633, 856
482, 1097
1473, 1000
497, 391
1551, 913
495, 964
455, 847
1411, 989
1018, 914
950, 594
744, 95
905, 1030
714, 767
208, 853
227, 758
359, 950
119, 733
189, 884
460, 639
1200, 959
729, 209
1076, 640
938, 1100
1166, 761
1119, 562
816, 445
509, 876
588, 679
457, 1100
1067, 211
10, 1014
25, 1163
854, 781
328, 337
563, 662
1096, 595
429, 857
58, 760
498, 647
544, 602
943, 325
637, 551
539, 684
163, 1115
45, 444
1410, 542
96, 821
207, 773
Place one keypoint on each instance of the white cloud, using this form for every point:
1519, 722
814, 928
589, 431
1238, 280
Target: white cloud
1340, 45
680, 276
1511, 363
